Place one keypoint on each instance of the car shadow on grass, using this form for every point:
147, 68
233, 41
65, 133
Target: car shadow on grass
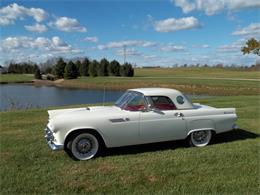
230, 136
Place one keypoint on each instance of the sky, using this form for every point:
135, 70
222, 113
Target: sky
146, 33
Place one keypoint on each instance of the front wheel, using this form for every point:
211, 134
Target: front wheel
84, 146
200, 138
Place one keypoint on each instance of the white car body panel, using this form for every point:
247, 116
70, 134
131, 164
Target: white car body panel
120, 127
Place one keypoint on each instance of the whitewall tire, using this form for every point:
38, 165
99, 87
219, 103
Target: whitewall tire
84, 146
200, 138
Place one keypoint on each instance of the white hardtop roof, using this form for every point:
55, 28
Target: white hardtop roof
171, 93
157, 91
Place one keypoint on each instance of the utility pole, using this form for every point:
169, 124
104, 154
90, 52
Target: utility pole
124, 54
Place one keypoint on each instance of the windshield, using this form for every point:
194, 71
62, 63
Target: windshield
131, 100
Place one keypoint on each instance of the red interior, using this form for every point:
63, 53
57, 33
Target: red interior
165, 106
134, 107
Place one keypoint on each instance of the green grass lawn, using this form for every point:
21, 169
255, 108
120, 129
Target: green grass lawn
16, 78
230, 165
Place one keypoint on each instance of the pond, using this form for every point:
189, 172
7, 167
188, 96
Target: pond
22, 96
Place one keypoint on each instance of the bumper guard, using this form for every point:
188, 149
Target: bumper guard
50, 138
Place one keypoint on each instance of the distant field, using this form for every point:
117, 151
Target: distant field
197, 72
190, 85
229, 166
16, 78
213, 81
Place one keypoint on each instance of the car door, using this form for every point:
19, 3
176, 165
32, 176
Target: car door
123, 129
162, 123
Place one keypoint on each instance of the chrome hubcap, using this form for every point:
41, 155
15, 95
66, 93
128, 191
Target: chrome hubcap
84, 146
201, 137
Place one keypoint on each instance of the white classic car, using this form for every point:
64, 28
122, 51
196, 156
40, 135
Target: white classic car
139, 116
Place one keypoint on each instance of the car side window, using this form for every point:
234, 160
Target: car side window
136, 103
162, 103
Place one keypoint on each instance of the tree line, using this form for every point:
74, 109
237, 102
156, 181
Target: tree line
72, 70
93, 68
25, 68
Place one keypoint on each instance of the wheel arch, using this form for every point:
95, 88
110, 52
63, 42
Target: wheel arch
93, 131
201, 129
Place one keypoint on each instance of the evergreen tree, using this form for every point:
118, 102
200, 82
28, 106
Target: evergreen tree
127, 70
37, 72
114, 68
78, 65
84, 67
93, 68
123, 71
104, 64
59, 68
71, 71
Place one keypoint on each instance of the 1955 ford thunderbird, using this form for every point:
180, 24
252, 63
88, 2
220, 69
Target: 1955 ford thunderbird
139, 116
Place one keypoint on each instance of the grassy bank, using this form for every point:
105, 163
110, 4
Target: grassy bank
229, 165
16, 78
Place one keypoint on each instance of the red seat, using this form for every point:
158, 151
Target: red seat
134, 107
164, 106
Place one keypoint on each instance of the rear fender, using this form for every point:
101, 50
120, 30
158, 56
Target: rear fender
202, 129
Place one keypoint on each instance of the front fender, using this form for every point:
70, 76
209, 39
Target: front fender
86, 128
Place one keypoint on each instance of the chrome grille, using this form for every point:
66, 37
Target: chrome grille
48, 134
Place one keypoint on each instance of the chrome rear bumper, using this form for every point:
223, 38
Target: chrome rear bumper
50, 138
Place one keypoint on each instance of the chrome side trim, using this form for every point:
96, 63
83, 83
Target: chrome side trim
117, 120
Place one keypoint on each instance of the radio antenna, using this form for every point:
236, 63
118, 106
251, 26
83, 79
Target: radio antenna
104, 95
124, 53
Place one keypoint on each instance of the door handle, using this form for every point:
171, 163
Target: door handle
179, 114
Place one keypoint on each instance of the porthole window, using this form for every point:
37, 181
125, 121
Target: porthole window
180, 99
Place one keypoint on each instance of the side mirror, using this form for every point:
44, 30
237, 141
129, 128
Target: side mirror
153, 109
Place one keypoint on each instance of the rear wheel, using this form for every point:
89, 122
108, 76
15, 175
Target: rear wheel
200, 138
83, 146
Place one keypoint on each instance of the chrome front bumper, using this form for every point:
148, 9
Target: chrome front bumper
235, 127
50, 138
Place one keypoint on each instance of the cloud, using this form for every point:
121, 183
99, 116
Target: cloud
55, 45
211, 7
13, 12
129, 52
91, 39
234, 47
185, 5
204, 46
127, 43
68, 25
252, 30
171, 47
173, 24
40, 28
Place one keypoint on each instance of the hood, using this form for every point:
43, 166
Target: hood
84, 111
